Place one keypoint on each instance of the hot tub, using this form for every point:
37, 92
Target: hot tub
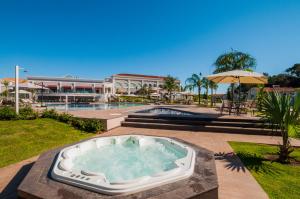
124, 164
166, 111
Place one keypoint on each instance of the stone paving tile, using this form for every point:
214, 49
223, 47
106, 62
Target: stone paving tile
108, 114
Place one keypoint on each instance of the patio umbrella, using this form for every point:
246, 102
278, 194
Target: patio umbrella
239, 76
22, 92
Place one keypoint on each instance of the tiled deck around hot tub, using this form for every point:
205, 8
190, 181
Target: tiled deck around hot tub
202, 184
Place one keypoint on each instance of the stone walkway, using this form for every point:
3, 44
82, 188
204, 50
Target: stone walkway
235, 181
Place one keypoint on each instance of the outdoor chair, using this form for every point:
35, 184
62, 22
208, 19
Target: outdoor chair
227, 106
249, 106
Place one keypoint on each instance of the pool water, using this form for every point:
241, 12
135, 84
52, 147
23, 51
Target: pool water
124, 164
102, 106
127, 161
165, 111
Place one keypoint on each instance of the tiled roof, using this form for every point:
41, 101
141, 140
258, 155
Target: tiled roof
139, 75
11, 79
279, 89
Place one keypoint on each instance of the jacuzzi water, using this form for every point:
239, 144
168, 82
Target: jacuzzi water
128, 161
165, 111
124, 164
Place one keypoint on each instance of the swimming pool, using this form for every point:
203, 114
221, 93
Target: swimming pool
124, 164
102, 106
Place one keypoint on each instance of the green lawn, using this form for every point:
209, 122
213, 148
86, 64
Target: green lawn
22, 139
278, 180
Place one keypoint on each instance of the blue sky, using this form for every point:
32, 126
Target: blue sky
95, 39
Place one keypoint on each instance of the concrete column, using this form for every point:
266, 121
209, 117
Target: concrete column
113, 86
17, 89
128, 87
59, 87
93, 88
74, 87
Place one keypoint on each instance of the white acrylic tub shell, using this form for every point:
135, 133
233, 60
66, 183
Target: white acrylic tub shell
62, 170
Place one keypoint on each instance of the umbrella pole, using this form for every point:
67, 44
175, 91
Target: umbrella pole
239, 99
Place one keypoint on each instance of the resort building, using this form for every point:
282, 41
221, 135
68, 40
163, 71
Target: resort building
72, 89
253, 92
129, 84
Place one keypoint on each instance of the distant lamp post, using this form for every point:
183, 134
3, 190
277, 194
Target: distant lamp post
17, 68
42, 98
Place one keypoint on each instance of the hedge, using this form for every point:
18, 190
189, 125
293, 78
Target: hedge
27, 113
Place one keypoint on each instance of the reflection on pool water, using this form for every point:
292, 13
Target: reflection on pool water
165, 111
102, 106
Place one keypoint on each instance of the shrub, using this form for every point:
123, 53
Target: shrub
7, 113
77, 123
136, 99
27, 113
88, 125
92, 125
65, 117
50, 114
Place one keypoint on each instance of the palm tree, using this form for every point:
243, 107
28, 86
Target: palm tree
145, 91
188, 87
6, 84
277, 110
205, 85
234, 60
213, 87
170, 85
195, 81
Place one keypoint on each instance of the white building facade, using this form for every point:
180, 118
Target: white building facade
129, 84
72, 88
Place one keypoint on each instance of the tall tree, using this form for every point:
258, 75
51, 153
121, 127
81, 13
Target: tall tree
234, 60
195, 81
171, 85
144, 91
294, 70
213, 87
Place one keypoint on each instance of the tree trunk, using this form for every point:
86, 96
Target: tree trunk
206, 93
211, 97
232, 91
285, 149
199, 95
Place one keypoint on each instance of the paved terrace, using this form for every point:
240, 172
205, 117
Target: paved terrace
123, 112
113, 117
